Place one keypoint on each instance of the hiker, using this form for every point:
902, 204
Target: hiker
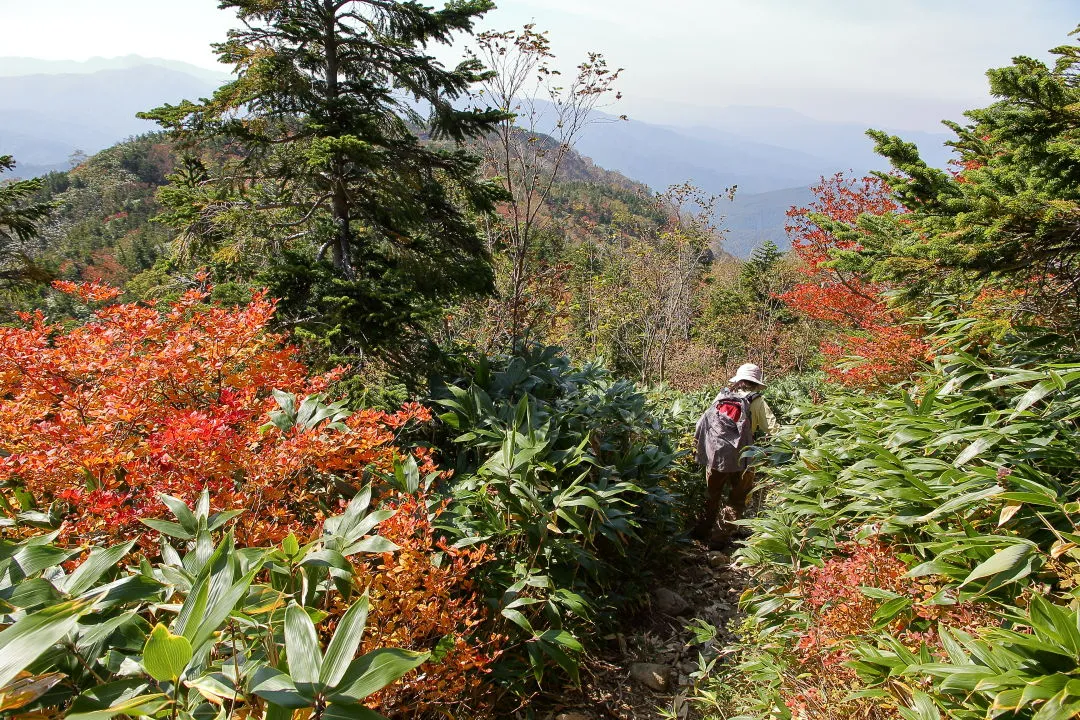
735, 418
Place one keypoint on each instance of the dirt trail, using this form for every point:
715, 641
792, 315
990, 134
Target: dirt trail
646, 667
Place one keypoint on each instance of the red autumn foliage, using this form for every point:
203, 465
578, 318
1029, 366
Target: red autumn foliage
103, 417
867, 327
841, 610
839, 613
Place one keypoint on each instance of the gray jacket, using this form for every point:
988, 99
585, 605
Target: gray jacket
719, 440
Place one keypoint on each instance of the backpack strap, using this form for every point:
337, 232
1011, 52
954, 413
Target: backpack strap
750, 398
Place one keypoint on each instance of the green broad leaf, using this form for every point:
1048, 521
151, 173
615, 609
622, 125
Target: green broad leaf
202, 506
215, 688
373, 544
165, 655
953, 647
1007, 701
182, 512
218, 519
141, 705
407, 474
350, 711
975, 449
1058, 707
561, 638
878, 593
1035, 394
1043, 688
1050, 621
290, 545
101, 697
278, 688
30, 636
132, 588
937, 566
286, 401
1011, 559
220, 608
1014, 376
345, 524
168, 528
99, 562
343, 646
923, 707
32, 593
890, 610
93, 634
365, 525
443, 647
33, 559
968, 501
193, 609
572, 601
301, 646
372, 672
327, 558
518, 619
561, 658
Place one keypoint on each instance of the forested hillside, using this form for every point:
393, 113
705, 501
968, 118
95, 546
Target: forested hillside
316, 406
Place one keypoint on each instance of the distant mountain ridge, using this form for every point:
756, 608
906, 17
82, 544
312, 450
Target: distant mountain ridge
773, 155
50, 109
15, 66
44, 118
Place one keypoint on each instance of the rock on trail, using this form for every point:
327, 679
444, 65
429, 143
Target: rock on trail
647, 666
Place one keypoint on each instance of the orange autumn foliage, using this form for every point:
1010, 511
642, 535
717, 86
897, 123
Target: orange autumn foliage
867, 328
102, 417
418, 604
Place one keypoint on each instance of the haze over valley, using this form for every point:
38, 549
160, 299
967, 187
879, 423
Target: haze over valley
50, 110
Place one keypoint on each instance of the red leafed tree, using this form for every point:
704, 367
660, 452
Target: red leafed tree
867, 328
98, 419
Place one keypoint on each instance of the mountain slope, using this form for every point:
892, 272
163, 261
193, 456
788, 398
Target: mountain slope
844, 144
714, 161
751, 219
769, 153
45, 118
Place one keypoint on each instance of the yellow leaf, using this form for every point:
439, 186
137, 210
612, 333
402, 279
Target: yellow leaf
1060, 548
1007, 512
26, 688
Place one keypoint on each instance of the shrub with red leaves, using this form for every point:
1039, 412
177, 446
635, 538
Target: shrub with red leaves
867, 327
102, 417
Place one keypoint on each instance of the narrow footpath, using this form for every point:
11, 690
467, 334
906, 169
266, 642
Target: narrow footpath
645, 671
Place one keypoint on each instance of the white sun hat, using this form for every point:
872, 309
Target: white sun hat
749, 372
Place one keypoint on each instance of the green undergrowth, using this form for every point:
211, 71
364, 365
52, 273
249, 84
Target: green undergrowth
575, 479
918, 556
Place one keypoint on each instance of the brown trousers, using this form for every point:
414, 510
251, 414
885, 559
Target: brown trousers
741, 483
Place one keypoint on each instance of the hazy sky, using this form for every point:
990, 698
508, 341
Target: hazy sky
905, 63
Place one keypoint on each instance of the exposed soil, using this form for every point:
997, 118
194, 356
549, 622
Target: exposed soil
614, 689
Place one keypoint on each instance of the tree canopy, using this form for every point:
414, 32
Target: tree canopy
316, 151
1010, 208
21, 214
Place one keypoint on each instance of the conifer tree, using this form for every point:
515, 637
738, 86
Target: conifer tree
21, 214
317, 154
1010, 208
